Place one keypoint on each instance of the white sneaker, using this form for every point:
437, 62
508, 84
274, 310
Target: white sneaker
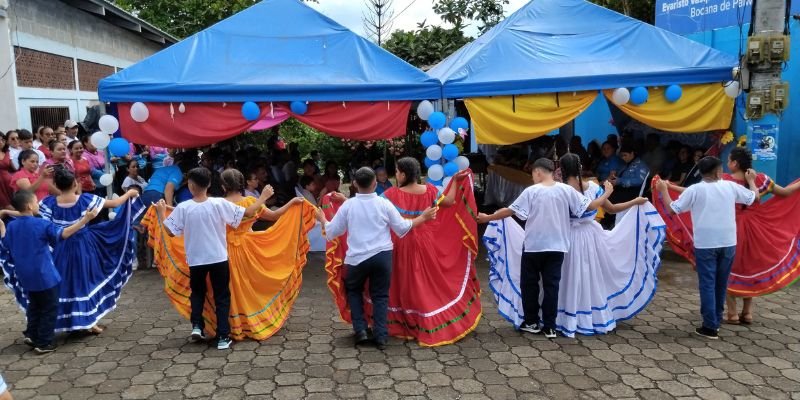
224, 343
531, 328
197, 334
135, 264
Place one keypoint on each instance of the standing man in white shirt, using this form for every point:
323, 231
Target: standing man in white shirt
712, 203
71, 129
367, 220
546, 207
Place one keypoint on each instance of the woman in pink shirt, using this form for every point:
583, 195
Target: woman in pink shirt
59, 157
30, 177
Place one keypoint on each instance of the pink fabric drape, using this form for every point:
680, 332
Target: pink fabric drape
202, 124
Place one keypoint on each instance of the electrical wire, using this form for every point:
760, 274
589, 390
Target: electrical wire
401, 12
16, 56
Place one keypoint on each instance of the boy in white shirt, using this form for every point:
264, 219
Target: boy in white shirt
712, 203
367, 220
546, 207
202, 222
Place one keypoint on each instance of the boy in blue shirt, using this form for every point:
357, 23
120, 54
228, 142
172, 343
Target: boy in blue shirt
29, 239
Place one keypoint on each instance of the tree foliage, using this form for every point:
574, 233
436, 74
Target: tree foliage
460, 12
426, 46
184, 18
643, 10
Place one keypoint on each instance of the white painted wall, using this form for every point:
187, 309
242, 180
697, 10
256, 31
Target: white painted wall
55, 27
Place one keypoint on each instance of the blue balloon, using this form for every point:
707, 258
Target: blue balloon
437, 120
639, 95
299, 107
450, 152
433, 182
450, 169
428, 139
250, 111
673, 93
459, 123
429, 162
119, 147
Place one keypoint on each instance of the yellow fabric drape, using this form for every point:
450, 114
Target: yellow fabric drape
515, 119
701, 108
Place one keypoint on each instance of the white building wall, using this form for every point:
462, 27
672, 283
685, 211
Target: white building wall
55, 27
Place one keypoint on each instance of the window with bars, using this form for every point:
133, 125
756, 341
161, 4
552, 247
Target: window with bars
49, 116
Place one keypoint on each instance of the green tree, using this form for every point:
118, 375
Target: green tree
643, 10
460, 12
184, 18
426, 46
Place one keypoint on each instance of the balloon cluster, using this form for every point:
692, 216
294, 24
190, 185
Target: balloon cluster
441, 154
639, 95
117, 147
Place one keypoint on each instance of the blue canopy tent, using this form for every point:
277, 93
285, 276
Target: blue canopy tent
551, 46
276, 50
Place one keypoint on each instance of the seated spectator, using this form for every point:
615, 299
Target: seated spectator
683, 166
610, 164
382, 178
306, 188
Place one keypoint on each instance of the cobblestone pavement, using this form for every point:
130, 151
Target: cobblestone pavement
144, 354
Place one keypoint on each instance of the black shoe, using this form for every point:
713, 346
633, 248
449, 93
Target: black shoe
380, 344
530, 328
45, 349
550, 333
29, 342
707, 333
361, 338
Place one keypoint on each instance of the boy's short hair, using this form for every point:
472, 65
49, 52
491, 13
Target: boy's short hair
24, 134
544, 164
201, 176
136, 188
708, 165
379, 170
364, 177
306, 180
21, 199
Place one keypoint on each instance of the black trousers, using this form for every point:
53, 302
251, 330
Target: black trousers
220, 277
378, 270
42, 314
545, 267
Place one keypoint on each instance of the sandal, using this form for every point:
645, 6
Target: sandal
745, 320
732, 321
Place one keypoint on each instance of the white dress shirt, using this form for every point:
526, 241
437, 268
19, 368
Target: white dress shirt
367, 219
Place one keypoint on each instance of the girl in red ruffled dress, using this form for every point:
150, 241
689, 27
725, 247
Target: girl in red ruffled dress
434, 297
768, 238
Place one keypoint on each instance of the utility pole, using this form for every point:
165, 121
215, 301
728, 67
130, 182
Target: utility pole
767, 97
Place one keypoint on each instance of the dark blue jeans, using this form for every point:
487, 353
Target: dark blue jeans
42, 314
378, 270
220, 277
544, 266
713, 270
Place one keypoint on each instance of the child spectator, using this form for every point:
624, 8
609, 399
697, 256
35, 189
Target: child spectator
202, 222
28, 240
25, 143
306, 188
367, 220
712, 203
383, 181
546, 206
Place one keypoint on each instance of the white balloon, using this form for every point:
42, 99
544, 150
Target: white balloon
106, 179
112, 215
733, 89
446, 181
108, 124
462, 162
436, 172
100, 140
434, 152
621, 96
425, 109
114, 196
446, 135
181, 108
139, 112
